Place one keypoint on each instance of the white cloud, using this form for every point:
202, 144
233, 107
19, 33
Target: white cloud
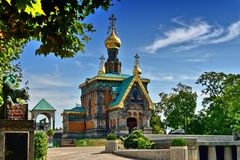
167, 77
192, 35
59, 90
232, 32
48, 80
178, 35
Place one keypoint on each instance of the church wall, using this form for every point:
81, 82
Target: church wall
93, 103
76, 126
108, 98
90, 124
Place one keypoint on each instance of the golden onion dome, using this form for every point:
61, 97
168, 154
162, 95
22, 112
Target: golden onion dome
112, 41
137, 71
102, 71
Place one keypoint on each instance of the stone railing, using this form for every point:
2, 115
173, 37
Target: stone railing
198, 148
150, 154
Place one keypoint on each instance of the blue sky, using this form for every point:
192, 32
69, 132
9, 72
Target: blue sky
176, 40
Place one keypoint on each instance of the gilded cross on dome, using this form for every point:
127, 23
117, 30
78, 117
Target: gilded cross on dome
136, 63
112, 41
112, 26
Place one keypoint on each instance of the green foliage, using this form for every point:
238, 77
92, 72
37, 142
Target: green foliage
50, 132
220, 113
156, 124
1, 100
178, 107
111, 136
59, 25
178, 142
40, 146
137, 140
90, 142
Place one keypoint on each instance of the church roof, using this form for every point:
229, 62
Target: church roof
124, 90
75, 109
78, 108
110, 77
43, 105
123, 87
114, 75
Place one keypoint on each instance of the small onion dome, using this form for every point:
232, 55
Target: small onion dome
101, 71
112, 41
137, 71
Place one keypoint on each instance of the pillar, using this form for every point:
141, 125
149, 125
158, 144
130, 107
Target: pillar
212, 153
53, 117
238, 152
227, 153
178, 153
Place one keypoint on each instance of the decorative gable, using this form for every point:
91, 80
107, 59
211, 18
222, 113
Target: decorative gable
132, 90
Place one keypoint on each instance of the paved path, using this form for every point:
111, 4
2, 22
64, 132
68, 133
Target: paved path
81, 153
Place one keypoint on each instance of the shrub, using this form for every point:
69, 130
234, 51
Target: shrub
40, 146
179, 142
50, 132
111, 136
90, 142
137, 140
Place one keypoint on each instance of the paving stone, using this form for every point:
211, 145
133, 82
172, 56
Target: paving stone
82, 153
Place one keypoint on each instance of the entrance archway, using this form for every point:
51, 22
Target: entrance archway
46, 109
131, 123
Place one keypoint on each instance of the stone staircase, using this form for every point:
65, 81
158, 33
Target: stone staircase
68, 142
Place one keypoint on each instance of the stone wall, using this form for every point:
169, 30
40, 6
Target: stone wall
17, 126
156, 154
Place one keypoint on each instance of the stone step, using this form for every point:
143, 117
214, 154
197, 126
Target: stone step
68, 143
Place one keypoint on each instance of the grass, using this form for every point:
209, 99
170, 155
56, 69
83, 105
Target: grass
90, 142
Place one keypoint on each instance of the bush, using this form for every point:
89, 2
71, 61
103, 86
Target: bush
137, 140
179, 142
111, 136
40, 146
90, 142
50, 132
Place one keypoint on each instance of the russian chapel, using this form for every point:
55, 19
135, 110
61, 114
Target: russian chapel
110, 101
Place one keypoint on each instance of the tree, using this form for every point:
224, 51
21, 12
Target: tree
50, 132
156, 124
231, 98
217, 114
155, 121
197, 122
179, 106
58, 25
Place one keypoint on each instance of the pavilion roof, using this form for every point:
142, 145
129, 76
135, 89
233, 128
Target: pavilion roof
43, 105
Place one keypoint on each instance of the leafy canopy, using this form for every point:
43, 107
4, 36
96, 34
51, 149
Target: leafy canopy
221, 99
58, 25
179, 106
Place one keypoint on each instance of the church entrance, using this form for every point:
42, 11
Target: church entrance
131, 123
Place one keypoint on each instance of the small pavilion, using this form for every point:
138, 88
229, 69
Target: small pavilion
44, 108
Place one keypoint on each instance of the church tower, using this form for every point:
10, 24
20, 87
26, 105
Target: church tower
112, 43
